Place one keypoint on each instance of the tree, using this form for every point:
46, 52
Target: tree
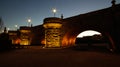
1, 24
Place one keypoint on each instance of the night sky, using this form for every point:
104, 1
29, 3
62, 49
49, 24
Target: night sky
16, 12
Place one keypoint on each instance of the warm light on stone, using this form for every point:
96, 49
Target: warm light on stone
52, 25
52, 32
25, 36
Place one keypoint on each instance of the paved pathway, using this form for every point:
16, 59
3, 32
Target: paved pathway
39, 57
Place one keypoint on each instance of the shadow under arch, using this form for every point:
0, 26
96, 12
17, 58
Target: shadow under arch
107, 38
70, 36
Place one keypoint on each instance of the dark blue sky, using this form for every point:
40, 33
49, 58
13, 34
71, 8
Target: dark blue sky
16, 12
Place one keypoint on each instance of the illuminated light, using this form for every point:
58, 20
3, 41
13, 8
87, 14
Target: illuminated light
24, 42
68, 40
29, 20
25, 31
54, 10
17, 41
88, 33
64, 42
72, 41
8, 29
12, 33
16, 26
43, 42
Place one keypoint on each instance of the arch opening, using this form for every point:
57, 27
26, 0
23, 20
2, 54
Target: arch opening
88, 33
91, 39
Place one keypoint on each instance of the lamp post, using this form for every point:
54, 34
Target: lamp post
113, 2
16, 27
54, 11
29, 21
8, 28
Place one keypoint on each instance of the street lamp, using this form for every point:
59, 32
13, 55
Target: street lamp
54, 11
29, 21
16, 27
8, 29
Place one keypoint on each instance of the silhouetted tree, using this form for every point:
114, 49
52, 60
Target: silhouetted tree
1, 24
5, 43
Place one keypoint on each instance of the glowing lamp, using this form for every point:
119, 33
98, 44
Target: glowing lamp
54, 11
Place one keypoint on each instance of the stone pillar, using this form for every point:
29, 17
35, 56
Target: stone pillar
52, 32
25, 35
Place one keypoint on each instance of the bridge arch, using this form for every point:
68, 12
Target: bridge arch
70, 36
93, 38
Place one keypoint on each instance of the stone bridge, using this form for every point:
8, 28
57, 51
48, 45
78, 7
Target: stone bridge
106, 21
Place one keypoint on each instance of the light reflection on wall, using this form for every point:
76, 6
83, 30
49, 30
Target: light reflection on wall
25, 42
68, 40
17, 41
43, 41
13, 36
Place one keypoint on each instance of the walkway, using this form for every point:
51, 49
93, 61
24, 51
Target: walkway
39, 57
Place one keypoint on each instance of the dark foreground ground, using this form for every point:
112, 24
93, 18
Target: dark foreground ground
39, 57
